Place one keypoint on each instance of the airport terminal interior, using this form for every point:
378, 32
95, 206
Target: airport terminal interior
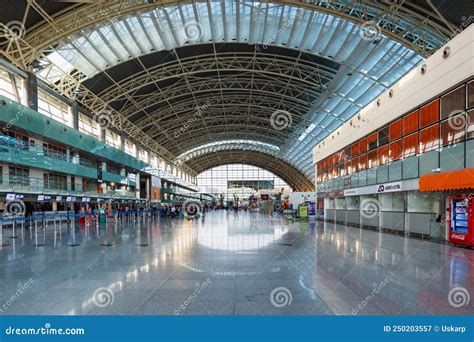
233, 157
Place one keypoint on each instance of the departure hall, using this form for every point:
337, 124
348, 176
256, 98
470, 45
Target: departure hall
236, 158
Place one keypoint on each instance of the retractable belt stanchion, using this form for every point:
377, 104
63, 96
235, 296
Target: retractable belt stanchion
36, 244
72, 242
14, 236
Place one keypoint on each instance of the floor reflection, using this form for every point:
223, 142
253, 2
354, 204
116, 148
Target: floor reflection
227, 264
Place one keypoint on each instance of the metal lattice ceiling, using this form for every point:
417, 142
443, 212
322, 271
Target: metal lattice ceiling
236, 63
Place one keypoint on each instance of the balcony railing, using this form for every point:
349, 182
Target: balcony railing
34, 185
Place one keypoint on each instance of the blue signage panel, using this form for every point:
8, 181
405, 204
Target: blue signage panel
240, 328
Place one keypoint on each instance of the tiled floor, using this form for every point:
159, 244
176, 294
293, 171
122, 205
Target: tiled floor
230, 264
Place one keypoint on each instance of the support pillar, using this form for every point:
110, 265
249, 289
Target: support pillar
137, 185
31, 86
75, 115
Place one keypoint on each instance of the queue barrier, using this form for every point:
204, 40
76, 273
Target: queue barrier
67, 216
45, 219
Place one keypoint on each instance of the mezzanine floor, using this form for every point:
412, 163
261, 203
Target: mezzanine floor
229, 264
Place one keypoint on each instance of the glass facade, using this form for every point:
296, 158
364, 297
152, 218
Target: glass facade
245, 180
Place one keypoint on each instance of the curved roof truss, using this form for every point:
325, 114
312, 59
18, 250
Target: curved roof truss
338, 56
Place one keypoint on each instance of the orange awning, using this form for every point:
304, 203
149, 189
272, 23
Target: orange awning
451, 180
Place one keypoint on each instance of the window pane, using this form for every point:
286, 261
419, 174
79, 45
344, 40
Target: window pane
470, 127
429, 114
355, 149
470, 96
410, 123
383, 136
453, 102
362, 162
410, 145
363, 145
395, 151
382, 154
372, 159
429, 138
396, 130
453, 129
372, 141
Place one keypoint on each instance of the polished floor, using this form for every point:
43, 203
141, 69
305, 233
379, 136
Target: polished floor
229, 264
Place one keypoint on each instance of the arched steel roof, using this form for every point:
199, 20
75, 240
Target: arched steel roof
290, 174
179, 75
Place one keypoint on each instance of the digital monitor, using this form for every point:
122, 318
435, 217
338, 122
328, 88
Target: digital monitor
40, 197
10, 197
59, 198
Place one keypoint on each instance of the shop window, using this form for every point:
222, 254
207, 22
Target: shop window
372, 141
355, 149
383, 136
429, 138
410, 123
363, 145
453, 102
382, 155
410, 145
352, 202
422, 202
392, 202
395, 151
362, 162
453, 130
395, 130
372, 159
470, 94
429, 114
